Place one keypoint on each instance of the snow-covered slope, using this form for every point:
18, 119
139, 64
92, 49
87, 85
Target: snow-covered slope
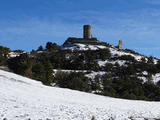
78, 46
23, 99
114, 51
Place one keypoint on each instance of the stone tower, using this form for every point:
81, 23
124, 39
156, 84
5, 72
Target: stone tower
87, 32
87, 38
120, 45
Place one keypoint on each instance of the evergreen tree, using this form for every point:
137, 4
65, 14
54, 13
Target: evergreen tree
4, 53
40, 48
38, 72
49, 73
104, 54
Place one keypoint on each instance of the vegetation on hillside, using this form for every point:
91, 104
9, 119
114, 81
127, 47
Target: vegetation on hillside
122, 81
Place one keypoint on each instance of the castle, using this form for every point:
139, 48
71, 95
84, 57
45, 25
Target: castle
87, 39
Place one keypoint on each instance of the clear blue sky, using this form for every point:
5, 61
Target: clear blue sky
27, 24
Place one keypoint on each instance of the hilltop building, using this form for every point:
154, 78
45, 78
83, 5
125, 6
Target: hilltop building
87, 38
120, 45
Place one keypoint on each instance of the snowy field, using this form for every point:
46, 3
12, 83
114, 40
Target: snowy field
25, 99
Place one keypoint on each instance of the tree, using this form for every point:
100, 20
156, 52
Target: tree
38, 71
49, 73
40, 48
73, 80
95, 84
143, 60
108, 67
48, 45
20, 64
52, 46
104, 54
4, 53
150, 60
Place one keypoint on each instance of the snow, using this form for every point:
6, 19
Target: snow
114, 51
79, 46
68, 71
143, 78
15, 54
22, 98
145, 73
102, 63
156, 78
93, 74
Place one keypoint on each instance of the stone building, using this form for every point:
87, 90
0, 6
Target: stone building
87, 34
120, 45
87, 38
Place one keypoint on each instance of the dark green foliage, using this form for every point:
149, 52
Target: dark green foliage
104, 54
108, 90
92, 65
73, 80
108, 67
95, 84
52, 46
4, 53
152, 92
127, 57
90, 55
49, 73
38, 71
119, 81
143, 60
125, 87
158, 84
40, 48
125, 70
39, 68
21, 65
131, 51
150, 60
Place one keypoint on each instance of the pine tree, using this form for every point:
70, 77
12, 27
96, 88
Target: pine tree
40, 48
38, 72
49, 73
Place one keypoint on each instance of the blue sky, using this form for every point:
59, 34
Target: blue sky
27, 24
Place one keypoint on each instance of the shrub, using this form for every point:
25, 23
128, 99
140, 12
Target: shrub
73, 80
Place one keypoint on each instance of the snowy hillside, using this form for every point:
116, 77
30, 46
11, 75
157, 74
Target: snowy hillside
79, 46
114, 51
25, 99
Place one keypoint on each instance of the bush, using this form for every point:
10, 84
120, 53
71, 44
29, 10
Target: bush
104, 54
76, 81
4, 53
108, 67
127, 57
52, 46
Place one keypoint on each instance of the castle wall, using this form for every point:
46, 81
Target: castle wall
72, 40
